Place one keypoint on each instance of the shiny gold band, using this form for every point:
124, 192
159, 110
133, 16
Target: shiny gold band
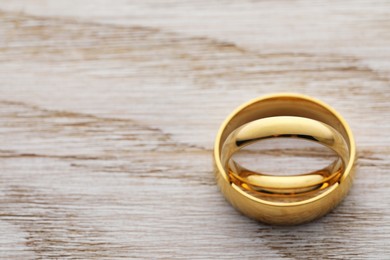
284, 199
282, 126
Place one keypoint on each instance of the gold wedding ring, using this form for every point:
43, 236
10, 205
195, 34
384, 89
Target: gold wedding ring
276, 199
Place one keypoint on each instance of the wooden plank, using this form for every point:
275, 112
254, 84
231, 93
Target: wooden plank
108, 113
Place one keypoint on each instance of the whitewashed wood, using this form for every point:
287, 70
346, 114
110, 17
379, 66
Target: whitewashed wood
108, 111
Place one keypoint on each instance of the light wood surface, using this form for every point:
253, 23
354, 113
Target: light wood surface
108, 111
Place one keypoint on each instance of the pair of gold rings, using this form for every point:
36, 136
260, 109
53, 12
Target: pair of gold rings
284, 200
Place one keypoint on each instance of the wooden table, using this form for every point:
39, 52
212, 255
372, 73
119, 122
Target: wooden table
109, 109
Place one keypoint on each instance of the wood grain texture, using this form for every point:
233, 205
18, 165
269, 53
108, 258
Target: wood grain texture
108, 111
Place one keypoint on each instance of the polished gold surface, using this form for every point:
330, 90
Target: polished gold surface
284, 200
284, 126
